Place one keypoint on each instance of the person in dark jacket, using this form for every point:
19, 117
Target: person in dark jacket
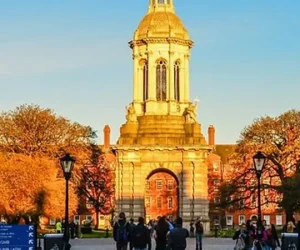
121, 232
160, 234
131, 228
199, 234
275, 236
140, 237
177, 236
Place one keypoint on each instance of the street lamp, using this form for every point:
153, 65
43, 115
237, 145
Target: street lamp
67, 165
259, 160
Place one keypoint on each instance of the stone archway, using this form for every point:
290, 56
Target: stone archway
161, 194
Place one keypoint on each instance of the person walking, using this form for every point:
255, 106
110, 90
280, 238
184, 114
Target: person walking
140, 237
58, 227
121, 232
177, 236
199, 234
242, 238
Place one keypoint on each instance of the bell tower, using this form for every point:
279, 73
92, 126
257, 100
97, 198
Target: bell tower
161, 138
161, 54
161, 49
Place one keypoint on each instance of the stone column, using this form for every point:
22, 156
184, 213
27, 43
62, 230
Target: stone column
186, 96
136, 72
171, 76
152, 77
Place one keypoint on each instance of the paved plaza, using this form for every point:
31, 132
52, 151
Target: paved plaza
108, 244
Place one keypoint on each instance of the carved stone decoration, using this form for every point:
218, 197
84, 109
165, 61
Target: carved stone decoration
131, 114
190, 113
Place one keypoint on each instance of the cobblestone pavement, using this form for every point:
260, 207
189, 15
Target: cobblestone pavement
108, 244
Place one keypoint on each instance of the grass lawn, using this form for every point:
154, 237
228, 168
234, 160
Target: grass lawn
97, 234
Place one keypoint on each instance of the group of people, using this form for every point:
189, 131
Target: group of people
249, 237
168, 235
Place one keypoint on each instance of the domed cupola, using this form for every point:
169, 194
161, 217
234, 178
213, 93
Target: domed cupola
161, 54
161, 21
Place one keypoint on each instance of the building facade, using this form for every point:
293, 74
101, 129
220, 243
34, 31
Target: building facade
161, 153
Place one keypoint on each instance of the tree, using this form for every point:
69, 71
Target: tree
279, 139
29, 186
97, 185
32, 130
31, 141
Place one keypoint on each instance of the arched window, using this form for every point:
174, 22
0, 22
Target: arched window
161, 81
145, 81
161, 1
177, 81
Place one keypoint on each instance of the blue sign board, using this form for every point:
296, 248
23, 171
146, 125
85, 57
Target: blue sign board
17, 237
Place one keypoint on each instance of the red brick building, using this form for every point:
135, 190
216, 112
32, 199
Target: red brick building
220, 170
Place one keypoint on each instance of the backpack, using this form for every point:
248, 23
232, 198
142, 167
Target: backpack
240, 244
140, 238
122, 233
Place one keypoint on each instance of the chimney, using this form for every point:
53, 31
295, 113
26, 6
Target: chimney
106, 131
211, 135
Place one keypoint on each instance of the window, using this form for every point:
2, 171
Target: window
279, 220
216, 185
177, 81
89, 203
161, 81
217, 200
216, 182
267, 219
170, 202
158, 202
215, 167
147, 201
242, 219
158, 184
101, 220
170, 184
229, 220
89, 218
52, 222
77, 219
241, 202
229, 202
145, 81
148, 185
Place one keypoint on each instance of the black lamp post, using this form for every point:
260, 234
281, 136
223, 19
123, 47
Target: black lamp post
67, 165
259, 160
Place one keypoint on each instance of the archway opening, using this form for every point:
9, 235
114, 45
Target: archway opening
161, 195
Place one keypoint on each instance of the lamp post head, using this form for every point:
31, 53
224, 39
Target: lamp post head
67, 165
259, 160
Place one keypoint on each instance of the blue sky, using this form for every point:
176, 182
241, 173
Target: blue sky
72, 56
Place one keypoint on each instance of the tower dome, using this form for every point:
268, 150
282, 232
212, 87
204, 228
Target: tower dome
161, 21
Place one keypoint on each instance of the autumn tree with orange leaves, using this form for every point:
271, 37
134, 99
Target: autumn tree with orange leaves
279, 139
97, 185
32, 139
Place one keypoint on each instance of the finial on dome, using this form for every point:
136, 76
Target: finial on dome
161, 5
